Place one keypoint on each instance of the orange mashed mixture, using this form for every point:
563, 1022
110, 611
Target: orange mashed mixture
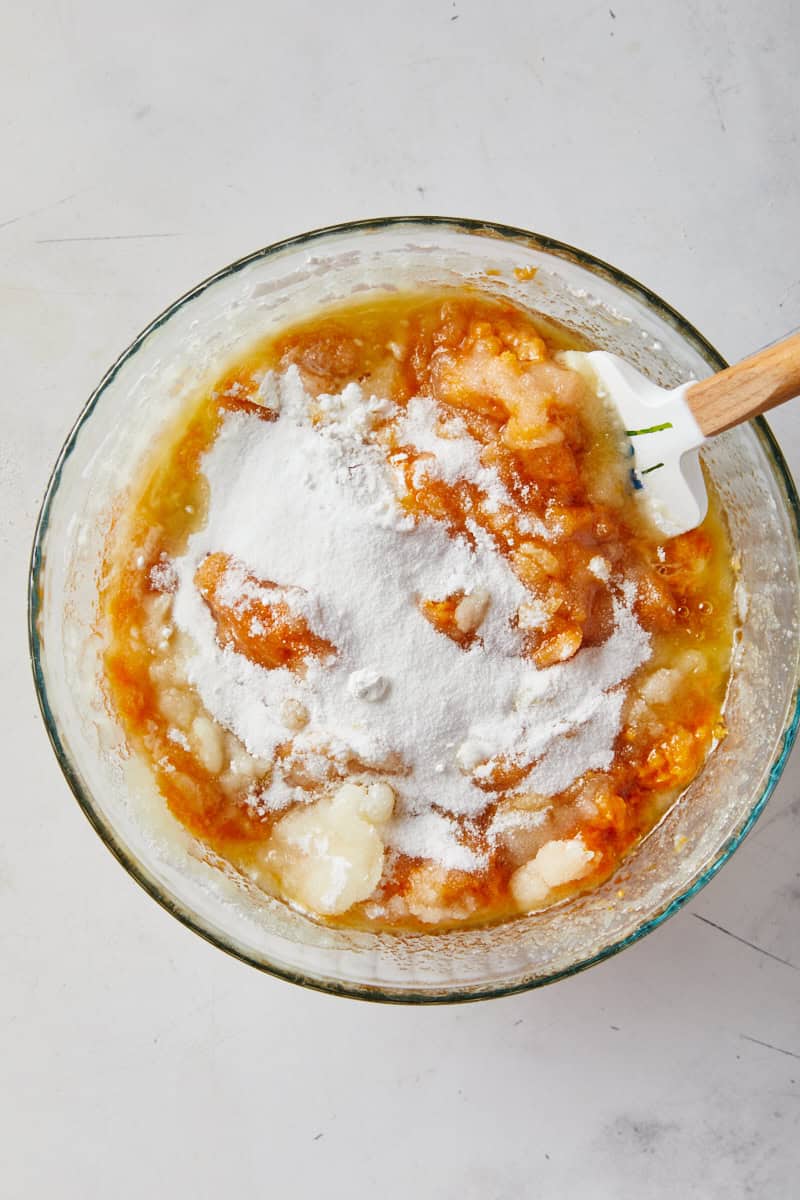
493, 364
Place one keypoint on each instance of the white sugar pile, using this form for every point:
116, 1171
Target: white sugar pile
312, 507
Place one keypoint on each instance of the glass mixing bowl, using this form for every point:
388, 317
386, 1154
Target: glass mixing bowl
182, 349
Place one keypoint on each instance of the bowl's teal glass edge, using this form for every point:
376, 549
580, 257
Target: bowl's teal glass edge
106, 833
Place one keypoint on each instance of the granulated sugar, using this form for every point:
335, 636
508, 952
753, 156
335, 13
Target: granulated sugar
311, 505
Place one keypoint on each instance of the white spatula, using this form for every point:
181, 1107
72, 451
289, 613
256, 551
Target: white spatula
666, 428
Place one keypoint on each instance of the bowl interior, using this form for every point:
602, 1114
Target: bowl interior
184, 348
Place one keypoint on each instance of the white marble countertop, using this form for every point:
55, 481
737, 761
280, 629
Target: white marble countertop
143, 147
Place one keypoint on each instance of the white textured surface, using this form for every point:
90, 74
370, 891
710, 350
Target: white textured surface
143, 147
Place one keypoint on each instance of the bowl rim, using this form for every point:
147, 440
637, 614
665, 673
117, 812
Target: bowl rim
138, 870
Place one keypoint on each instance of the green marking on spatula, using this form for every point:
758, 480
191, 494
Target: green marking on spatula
650, 429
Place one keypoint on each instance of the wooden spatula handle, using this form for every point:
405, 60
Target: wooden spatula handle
748, 388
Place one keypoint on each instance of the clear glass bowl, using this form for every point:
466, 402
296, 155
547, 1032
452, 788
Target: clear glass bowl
183, 348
